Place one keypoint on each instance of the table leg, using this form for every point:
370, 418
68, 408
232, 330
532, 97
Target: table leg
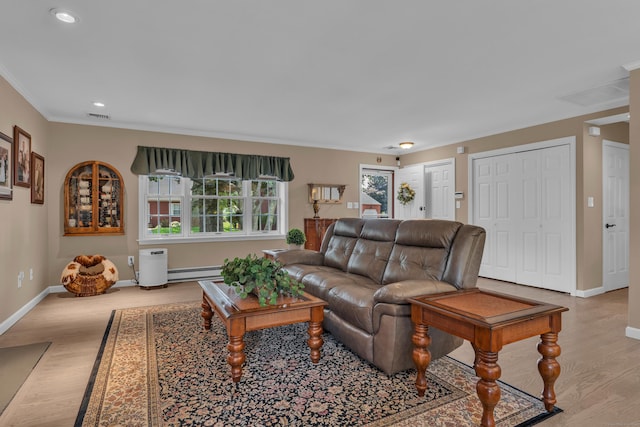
421, 355
315, 333
236, 356
549, 367
206, 314
489, 371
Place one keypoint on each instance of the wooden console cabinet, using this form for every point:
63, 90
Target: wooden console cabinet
314, 229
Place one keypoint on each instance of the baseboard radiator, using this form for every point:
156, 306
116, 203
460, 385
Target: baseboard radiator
190, 274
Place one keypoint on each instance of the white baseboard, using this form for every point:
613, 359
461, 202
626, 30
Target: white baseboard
590, 292
56, 289
632, 332
4, 326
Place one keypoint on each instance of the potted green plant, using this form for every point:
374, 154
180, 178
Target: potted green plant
263, 277
296, 237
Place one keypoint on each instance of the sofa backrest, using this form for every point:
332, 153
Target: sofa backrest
421, 250
387, 250
371, 252
466, 256
341, 241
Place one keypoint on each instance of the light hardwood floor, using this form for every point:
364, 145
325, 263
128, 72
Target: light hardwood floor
599, 384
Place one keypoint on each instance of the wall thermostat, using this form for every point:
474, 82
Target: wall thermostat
458, 195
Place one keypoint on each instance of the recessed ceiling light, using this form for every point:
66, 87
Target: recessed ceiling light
64, 16
406, 145
98, 104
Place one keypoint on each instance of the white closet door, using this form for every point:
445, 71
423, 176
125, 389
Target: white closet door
543, 232
414, 176
493, 191
530, 218
557, 219
524, 202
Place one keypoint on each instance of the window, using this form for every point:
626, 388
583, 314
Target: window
376, 193
180, 209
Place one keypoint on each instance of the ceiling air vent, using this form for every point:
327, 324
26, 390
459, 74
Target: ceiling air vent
616, 91
99, 116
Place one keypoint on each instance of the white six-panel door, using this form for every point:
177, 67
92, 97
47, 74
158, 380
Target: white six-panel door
524, 202
440, 181
615, 213
492, 210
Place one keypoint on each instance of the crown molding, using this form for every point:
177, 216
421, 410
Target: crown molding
632, 66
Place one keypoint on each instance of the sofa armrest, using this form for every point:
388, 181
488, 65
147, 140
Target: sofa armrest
398, 292
299, 256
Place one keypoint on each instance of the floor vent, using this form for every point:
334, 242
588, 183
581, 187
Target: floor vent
194, 273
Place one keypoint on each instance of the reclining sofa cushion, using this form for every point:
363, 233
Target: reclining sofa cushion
321, 281
421, 250
354, 304
342, 242
371, 252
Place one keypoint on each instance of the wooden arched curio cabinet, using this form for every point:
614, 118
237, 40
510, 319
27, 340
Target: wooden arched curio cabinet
93, 200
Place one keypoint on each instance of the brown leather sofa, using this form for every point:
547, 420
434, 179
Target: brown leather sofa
367, 268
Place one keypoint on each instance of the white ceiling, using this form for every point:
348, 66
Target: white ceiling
349, 74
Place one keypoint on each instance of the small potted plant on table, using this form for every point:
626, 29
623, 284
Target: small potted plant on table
263, 277
296, 238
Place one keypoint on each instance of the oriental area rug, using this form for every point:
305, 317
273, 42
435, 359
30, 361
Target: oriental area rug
157, 366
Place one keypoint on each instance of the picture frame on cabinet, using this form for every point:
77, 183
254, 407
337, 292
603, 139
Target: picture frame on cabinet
6, 164
21, 157
37, 174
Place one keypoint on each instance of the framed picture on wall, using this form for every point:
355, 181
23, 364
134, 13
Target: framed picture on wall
21, 158
6, 174
37, 178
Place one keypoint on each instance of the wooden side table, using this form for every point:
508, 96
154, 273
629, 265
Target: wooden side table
271, 253
489, 320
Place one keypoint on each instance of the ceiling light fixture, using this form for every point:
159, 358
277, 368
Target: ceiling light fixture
98, 104
406, 145
64, 16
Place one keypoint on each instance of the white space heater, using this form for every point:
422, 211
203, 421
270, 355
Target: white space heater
153, 267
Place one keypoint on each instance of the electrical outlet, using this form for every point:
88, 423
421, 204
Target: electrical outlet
130, 260
20, 278
31, 274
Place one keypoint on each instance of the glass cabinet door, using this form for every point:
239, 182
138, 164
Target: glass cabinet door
93, 193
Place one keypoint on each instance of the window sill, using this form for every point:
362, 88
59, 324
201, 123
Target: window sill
208, 239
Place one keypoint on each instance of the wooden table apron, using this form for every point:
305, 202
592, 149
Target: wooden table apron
243, 315
488, 334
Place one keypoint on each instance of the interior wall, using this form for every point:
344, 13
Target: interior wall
23, 225
32, 234
77, 143
586, 254
634, 202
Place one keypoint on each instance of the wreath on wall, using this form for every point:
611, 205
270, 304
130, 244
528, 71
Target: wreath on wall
406, 194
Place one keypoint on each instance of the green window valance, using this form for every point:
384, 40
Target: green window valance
198, 164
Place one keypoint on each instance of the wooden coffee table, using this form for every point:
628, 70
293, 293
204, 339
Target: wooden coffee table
489, 320
242, 315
